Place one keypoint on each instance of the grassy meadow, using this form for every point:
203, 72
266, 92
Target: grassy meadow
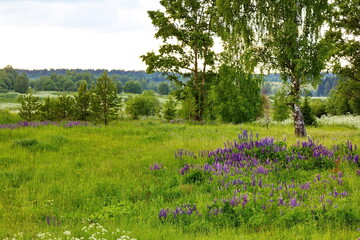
95, 182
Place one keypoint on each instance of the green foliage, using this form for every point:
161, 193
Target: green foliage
186, 30
47, 110
119, 87
21, 84
164, 88
236, 96
8, 118
64, 107
318, 107
284, 36
344, 36
29, 107
104, 101
281, 107
345, 98
8, 77
82, 100
145, 104
169, 109
306, 110
132, 87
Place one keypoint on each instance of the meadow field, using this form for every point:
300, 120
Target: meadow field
149, 179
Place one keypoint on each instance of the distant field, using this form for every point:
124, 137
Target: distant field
77, 181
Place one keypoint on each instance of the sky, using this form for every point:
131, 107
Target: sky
87, 34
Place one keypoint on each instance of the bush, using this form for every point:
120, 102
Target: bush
142, 105
318, 107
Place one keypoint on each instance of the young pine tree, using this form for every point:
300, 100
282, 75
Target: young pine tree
309, 117
29, 107
82, 100
104, 100
64, 107
169, 110
47, 110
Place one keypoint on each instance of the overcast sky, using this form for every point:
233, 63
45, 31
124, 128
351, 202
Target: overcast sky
109, 34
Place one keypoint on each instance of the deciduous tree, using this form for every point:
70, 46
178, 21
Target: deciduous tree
185, 28
284, 36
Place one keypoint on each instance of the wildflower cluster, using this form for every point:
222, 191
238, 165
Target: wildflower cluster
263, 176
178, 212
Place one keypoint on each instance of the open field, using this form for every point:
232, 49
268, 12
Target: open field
60, 181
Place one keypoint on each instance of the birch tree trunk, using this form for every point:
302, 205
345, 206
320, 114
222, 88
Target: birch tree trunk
300, 130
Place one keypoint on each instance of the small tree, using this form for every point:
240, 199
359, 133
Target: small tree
145, 104
82, 100
164, 88
47, 110
309, 117
21, 83
169, 110
132, 87
64, 107
29, 107
105, 102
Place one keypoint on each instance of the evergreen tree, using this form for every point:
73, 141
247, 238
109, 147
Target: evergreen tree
64, 107
82, 99
29, 107
169, 109
104, 102
309, 117
47, 110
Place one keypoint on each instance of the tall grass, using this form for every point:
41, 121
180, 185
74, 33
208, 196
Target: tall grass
55, 179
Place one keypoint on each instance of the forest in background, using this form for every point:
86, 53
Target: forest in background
69, 79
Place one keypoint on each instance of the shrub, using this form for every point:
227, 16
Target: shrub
142, 105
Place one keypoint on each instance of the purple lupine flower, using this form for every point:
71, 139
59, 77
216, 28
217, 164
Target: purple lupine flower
294, 203
340, 181
155, 167
344, 193
318, 177
356, 159
245, 200
340, 174
234, 202
162, 214
262, 170
281, 202
185, 169
358, 172
305, 186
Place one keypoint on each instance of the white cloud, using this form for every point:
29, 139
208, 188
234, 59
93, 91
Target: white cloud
76, 34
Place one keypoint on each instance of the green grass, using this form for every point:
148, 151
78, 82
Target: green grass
53, 178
